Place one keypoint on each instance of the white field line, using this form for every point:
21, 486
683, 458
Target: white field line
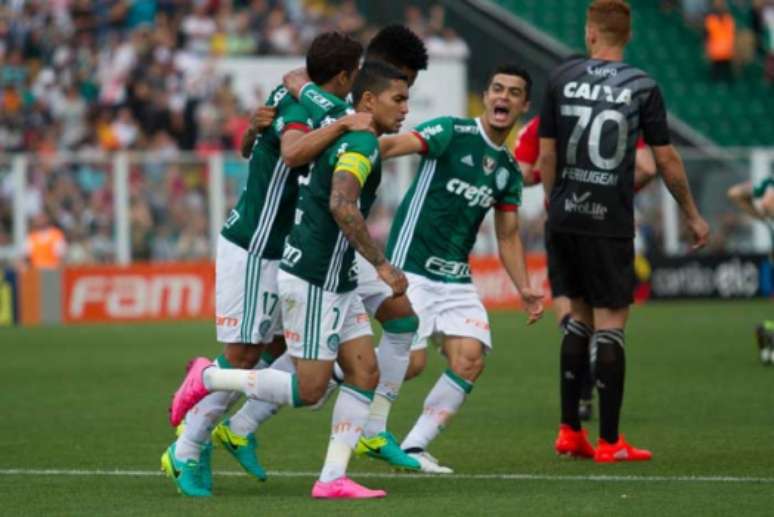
392, 475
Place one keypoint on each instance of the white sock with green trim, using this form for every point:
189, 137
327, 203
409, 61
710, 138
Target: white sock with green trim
269, 385
393, 357
349, 416
443, 401
201, 419
254, 412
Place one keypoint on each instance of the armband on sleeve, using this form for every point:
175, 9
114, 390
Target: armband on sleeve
356, 164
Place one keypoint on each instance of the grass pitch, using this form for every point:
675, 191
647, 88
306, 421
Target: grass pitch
85, 421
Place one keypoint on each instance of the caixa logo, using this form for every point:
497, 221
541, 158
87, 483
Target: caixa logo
131, 296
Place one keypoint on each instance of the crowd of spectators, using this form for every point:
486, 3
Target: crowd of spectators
736, 32
82, 78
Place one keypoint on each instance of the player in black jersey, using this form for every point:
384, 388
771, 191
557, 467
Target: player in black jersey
592, 113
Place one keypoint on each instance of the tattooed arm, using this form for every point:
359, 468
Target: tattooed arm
345, 193
673, 172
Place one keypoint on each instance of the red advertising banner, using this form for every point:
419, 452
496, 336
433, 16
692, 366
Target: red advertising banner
140, 292
495, 286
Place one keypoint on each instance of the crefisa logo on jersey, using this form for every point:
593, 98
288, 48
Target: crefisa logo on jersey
489, 165
501, 178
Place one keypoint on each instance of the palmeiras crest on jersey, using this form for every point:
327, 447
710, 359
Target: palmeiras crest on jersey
489, 165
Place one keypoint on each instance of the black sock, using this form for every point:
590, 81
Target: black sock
587, 384
573, 362
610, 367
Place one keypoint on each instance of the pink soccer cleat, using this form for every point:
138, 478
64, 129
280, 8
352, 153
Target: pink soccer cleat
344, 488
191, 391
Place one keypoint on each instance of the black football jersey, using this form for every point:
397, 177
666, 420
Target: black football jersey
595, 110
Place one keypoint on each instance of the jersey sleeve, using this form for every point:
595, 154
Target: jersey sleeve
528, 143
318, 103
510, 199
357, 153
436, 135
292, 115
653, 119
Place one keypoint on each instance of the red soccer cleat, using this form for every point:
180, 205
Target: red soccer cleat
573, 443
619, 451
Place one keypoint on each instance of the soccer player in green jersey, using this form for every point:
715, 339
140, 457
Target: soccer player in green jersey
323, 317
400, 47
466, 170
757, 200
248, 255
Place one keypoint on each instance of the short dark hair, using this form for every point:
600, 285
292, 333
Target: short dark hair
331, 53
375, 77
399, 46
511, 69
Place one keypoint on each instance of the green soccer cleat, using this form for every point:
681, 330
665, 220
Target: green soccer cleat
383, 446
185, 474
205, 459
243, 449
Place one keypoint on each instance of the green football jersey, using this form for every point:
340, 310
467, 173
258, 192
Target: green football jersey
263, 216
316, 250
324, 107
461, 176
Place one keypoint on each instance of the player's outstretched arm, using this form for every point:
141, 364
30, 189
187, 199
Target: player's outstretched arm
345, 193
741, 195
299, 148
512, 256
400, 145
261, 119
547, 164
672, 170
644, 168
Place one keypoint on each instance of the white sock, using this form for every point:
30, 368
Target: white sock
254, 412
393, 356
269, 385
349, 416
200, 421
443, 401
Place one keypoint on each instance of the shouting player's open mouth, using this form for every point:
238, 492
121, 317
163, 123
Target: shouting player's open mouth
501, 113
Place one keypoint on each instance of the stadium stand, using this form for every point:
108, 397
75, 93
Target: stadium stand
738, 114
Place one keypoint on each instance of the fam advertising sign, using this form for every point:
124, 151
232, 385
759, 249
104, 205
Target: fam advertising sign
143, 292
495, 286
711, 276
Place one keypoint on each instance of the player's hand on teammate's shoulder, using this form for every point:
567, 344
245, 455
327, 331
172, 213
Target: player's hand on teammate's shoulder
358, 122
393, 277
700, 232
533, 303
260, 120
295, 80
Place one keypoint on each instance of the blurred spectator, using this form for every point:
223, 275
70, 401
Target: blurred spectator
694, 11
46, 246
94, 77
720, 34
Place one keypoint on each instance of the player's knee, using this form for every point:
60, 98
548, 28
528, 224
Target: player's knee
312, 390
417, 363
469, 367
240, 356
365, 378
